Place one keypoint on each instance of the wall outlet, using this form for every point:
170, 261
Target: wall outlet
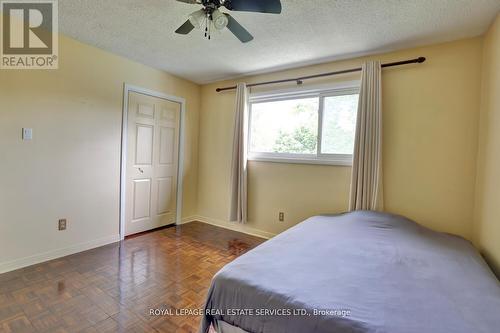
281, 216
62, 224
27, 134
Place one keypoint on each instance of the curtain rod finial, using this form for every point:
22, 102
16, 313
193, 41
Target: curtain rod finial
420, 60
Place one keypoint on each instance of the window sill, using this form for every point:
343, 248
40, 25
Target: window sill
340, 161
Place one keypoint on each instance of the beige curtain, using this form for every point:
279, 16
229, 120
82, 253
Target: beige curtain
238, 207
366, 179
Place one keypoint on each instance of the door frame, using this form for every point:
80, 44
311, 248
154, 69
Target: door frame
127, 89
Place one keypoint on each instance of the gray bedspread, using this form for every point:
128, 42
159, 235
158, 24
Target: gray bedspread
367, 271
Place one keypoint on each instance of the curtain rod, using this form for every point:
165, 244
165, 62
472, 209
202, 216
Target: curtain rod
300, 80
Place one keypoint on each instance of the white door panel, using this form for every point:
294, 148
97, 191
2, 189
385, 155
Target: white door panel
165, 192
167, 145
152, 162
146, 111
142, 199
144, 144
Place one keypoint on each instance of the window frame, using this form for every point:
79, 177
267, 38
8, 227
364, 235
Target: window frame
347, 88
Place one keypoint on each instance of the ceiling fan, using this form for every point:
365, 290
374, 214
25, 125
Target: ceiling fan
210, 15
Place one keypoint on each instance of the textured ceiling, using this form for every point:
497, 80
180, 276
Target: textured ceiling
307, 31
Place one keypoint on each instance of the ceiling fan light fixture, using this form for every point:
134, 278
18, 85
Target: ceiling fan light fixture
211, 18
196, 18
219, 19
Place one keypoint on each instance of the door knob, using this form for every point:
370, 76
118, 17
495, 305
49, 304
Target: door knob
140, 170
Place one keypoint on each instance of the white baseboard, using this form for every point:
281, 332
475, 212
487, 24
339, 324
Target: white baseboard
188, 219
229, 225
58, 253
54, 254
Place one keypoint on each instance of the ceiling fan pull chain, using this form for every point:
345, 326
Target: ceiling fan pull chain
206, 26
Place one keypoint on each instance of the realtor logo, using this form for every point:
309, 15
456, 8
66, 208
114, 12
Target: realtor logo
29, 34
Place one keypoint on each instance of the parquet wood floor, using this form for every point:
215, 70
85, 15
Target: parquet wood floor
113, 288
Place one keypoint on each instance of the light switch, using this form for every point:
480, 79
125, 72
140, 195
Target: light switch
27, 133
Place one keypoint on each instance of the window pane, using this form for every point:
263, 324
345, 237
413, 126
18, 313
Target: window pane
285, 126
339, 124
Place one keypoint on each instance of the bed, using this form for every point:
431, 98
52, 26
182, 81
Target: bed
356, 272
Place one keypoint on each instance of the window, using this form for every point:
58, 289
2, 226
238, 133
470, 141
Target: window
307, 127
289, 126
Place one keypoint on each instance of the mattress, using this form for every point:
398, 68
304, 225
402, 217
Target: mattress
357, 272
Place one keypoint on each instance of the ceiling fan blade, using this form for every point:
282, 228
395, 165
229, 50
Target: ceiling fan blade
237, 29
259, 6
188, 1
185, 28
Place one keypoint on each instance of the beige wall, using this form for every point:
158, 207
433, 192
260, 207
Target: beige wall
72, 167
487, 227
430, 143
